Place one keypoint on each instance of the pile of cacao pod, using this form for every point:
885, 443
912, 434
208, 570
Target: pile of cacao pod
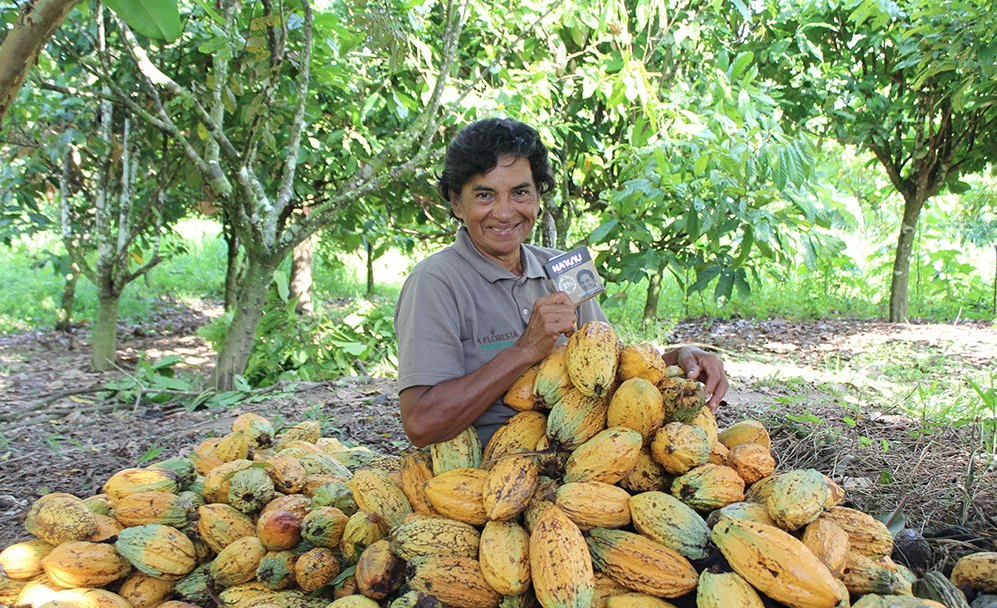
612, 486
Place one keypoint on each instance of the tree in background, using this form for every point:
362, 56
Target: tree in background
915, 84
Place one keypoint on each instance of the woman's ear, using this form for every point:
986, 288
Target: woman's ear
455, 205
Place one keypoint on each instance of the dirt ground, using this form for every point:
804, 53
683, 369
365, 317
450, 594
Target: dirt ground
57, 435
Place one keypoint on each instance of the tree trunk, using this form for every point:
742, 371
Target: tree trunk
238, 343
105, 332
653, 297
899, 303
993, 302
34, 26
370, 268
64, 318
301, 275
232, 267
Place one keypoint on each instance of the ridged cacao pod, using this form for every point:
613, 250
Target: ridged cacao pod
934, 586
276, 570
59, 517
219, 524
216, 482
84, 564
154, 507
455, 581
259, 429
745, 510
379, 572
279, 530
144, 591
552, 381
287, 473
863, 575
86, 598
435, 536
324, 527
751, 461
641, 564
575, 419
636, 404
646, 475
726, 590
129, 481
592, 358
681, 397
708, 422
459, 494
362, 529
160, 551
237, 563
641, 360
977, 571
181, 465
460, 452
777, 564
560, 563
594, 504
306, 430
797, 498
745, 431
23, 561
417, 468
316, 568
708, 487
375, 492
866, 534
509, 486
667, 520
679, 447
520, 395
607, 457
829, 543
519, 434
504, 557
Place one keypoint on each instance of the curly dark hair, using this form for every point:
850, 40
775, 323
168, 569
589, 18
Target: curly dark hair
476, 149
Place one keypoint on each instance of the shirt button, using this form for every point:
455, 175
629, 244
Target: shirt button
526, 311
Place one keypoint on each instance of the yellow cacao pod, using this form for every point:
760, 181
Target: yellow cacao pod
866, 534
594, 504
745, 431
324, 526
459, 494
646, 474
129, 481
278, 529
520, 395
829, 543
726, 590
977, 571
641, 360
873, 600
362, 529
306, 430
641, 564
217, 481
287, 473
144, 591
863, 575
682, 398
743, 509
504, 557
633, 599
575, 419
86, 598
519, 434
509, 486
258, 428
637, 404
797, 498
219, 524
417, 469
679, 447
607, 457
23, 561
708, 422
455, 581
237, 563
708, 487
84, 564
552, 381
751, 461
435, 536
560, 562
375, 492
59, 517
667, 520
592, 358
154, 507
234, 446
777, 564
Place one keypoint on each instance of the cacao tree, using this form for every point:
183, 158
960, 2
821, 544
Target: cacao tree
914, 84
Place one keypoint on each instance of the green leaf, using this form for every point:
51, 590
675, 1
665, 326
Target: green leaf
153, 18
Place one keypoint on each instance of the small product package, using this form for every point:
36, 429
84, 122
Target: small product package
574, 273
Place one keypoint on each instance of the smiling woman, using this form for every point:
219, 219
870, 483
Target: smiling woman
473, 317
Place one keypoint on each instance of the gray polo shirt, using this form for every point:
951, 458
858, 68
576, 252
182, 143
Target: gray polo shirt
458, 309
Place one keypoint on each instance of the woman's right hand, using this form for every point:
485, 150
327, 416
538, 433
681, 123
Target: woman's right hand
552, 316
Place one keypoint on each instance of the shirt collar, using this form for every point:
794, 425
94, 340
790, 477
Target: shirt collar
532, 267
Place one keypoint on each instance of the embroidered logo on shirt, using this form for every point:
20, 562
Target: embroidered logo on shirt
494, 340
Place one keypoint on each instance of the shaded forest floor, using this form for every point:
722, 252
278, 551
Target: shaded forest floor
829, 392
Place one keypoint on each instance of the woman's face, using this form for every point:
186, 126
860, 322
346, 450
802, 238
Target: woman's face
499, 209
